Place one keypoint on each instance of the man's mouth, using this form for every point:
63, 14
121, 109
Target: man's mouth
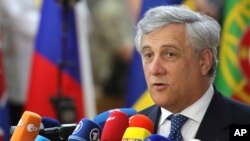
159, 86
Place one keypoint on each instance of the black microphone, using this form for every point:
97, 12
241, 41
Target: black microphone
58, 133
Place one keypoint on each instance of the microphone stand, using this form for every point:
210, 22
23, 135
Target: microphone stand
64, 106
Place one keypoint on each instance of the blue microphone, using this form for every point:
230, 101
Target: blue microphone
48, 122
102, 117
41, 138
86, 130
155, 137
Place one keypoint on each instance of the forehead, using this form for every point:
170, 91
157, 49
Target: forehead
171, 34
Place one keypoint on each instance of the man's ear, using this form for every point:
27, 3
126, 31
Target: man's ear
205, 60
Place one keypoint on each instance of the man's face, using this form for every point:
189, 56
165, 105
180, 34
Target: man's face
173, 72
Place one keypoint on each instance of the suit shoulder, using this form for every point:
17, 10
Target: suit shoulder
148, 110
239, 110
235, 107
234, 104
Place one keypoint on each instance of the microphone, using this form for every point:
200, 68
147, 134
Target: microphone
155, 137
102, 117
60, 133
47, 122
140, 127
86, 130
115, 126
141, 121
135, 133
41, 138
27, 128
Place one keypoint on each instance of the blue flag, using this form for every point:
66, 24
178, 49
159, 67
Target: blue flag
4, 113
55, 70
4, 123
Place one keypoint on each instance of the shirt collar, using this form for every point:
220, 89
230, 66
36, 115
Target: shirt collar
164, 114
196, 111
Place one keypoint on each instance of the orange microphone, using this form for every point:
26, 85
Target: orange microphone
140, 127
142, 121
27, 128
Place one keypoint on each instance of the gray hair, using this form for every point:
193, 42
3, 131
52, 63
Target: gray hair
203, 31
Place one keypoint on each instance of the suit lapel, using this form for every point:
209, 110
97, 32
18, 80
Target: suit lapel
214, 120
154, 115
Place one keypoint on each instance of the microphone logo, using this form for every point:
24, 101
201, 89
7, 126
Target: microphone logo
78, 127
94, 134
31, 128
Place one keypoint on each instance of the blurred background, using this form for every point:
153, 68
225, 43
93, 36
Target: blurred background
70, 59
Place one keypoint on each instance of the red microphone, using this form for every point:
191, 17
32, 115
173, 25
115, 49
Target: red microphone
141, 121
115, 126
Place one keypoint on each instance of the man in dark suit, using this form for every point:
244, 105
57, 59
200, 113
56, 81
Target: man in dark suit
179, 56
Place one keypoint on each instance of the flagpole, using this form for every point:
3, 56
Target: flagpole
63, 104
82, 21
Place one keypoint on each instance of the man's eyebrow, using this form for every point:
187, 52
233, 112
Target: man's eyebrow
145, 47
163, 46
169, 46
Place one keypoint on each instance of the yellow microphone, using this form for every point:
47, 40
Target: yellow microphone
27, 128
140, 127
135, 134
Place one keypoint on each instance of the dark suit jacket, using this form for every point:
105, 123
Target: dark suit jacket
220, 114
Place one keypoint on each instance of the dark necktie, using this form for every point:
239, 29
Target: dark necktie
176, 124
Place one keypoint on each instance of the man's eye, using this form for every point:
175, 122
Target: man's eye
170, 54
148, 55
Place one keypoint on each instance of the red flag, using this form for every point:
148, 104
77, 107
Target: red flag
55, 82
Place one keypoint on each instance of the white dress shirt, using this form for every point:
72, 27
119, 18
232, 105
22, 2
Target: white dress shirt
195, 114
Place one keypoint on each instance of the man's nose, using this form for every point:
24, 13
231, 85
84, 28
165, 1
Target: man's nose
157, 67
